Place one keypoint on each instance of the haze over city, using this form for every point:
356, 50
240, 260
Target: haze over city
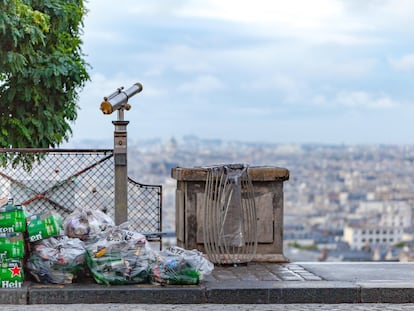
324, 71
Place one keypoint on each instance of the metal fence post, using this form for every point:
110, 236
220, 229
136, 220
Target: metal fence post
121, 171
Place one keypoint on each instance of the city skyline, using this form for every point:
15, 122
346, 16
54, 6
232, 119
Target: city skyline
276, 71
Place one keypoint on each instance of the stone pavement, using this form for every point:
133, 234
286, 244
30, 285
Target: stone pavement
213, 307
261, 284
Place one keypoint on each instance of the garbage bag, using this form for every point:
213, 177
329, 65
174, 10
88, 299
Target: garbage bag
86, 223
119, 256
176, 265
57, 260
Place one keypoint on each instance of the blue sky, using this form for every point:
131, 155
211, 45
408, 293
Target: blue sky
297, 71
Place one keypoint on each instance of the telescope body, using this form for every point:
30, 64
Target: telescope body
119, 99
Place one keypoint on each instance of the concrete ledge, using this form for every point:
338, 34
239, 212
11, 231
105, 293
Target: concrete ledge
236, 292
284, 293
228, 292
259, 283
387, 293
94, 293
315, 292
16, 296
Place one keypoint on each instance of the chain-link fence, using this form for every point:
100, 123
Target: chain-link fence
66, 180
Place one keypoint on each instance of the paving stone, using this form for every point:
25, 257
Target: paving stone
214, 307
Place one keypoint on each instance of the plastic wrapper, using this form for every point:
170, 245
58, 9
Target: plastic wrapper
119, 256
176, 265
57, 260
86, 223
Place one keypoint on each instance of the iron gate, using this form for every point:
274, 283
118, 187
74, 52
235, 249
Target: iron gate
64, 180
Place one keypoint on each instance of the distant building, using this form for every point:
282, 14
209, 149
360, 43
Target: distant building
388, 213
360, 237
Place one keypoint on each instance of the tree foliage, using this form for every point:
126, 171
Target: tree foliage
41, 71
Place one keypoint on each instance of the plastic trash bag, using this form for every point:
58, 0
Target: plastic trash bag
119, 256
176, 265
86, 223
57, 260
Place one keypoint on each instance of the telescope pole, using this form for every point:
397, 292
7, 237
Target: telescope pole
121, 172
119, 101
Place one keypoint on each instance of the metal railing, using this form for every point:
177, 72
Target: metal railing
63, 180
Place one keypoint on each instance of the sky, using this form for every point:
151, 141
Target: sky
297, 71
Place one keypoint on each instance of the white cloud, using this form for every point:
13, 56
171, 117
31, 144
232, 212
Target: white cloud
288, 88
294, 13
187, 59
202, 84
278, 81
316, 21
405, 63
155, 70
200, 65
334, 68
364, 99
357, 100
344, 22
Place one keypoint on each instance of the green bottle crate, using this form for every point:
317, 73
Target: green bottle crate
11, 273
11, 245
44, 225
12, 218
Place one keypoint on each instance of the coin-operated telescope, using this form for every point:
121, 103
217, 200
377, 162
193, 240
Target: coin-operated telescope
118, 100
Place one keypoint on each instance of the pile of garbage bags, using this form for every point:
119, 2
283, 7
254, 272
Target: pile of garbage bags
112, 255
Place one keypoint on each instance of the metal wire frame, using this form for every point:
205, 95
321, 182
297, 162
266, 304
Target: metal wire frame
64, 180
145, 209
230, 221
